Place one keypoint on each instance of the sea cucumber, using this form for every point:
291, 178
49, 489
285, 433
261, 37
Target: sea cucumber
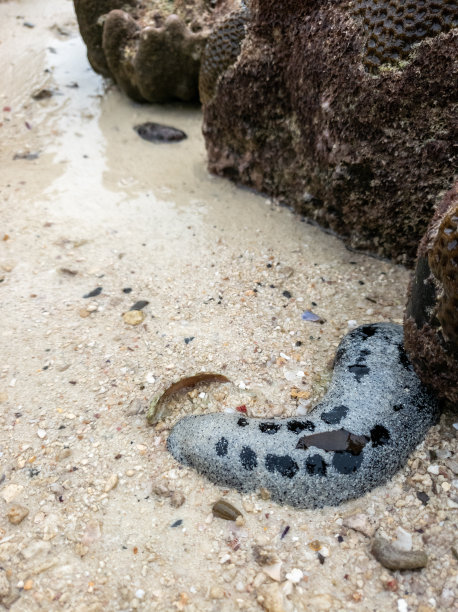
374, 414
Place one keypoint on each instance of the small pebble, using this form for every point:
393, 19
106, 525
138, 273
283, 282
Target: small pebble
403, 540
111, 483
295, 575
359, 522
133, 317
94, 293
41, 433
17, 513
433, 469
352, 324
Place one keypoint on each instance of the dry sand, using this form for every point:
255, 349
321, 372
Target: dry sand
86, 512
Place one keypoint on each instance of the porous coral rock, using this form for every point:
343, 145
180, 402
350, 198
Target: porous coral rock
431, 319
153, 48
299, 117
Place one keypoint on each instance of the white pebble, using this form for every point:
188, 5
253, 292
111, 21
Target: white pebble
139, 593
41, 433
352, 324
402, 605
150, 378
303, 407
455, 425
433, 469
403, 540
295, 575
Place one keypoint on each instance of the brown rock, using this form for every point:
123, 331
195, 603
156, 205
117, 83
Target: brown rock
431, 318
306, 114
17, 513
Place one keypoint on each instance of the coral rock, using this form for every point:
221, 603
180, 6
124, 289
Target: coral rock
152, 50
303, 115
431, 319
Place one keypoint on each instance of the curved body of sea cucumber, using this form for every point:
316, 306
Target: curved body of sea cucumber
374, 414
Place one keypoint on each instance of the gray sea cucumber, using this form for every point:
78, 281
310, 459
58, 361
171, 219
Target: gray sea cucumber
374, 414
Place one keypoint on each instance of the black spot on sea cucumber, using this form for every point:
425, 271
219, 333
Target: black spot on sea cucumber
403, 358
359, 371
242, 422
298, 426
335, 415
248, 458
284, 465
367, 331
269, 428
398, 407
346, 463
316, 466
379, 435
221, 447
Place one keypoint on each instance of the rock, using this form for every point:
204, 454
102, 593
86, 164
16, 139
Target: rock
155, 132
359, 522
111, 483
273, 571
310, 116
295, 575
216, 592
271, 598
394, 559
133, 317
17, 513
403, 540
153, 52
10, 492
431, 318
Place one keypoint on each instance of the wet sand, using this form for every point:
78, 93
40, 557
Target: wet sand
85, 204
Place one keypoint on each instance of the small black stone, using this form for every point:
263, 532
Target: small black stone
423, 497
287, 294
94, 293
188, 340
177, 523
155, 132
242, 422
127, 289
139, 305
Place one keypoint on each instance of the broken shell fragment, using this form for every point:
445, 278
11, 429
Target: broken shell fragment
157, 409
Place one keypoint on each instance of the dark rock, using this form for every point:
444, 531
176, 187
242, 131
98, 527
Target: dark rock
306, 114
155, 132
152, 51
431, 318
